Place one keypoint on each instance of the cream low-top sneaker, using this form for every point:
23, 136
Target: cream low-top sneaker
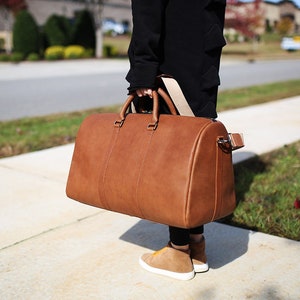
198, 256
169, 262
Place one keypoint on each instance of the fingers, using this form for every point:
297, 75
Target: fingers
144, 92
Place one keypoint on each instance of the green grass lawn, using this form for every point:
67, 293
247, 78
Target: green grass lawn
266, 189
241, 97
31, 134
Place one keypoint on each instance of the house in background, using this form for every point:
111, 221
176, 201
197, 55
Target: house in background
265, 15
276, 10
120, 11
113, 10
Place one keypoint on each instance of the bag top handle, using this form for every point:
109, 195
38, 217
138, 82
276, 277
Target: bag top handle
155, 112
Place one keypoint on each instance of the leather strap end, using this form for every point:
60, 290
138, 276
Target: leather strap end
236, 140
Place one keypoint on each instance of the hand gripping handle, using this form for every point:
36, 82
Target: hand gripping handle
155, 112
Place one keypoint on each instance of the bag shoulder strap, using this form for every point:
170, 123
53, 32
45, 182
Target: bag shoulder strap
177, 96
236, 140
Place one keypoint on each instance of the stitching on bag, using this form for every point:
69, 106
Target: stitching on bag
189, 183
140, 172
113, 140
191, 167
219, 171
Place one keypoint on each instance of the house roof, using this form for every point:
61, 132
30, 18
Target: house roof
296, 2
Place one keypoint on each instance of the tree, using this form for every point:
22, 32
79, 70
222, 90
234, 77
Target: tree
9, 7
57, 31
13, 5
246, 18
96, 8
26, 35
84, 30
285, 26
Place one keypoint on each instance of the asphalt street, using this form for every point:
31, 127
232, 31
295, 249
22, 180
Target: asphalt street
35, 89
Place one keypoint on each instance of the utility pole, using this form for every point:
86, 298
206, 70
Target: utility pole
96, 8
98, 24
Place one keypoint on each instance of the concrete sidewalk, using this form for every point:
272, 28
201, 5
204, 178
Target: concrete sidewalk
52, 247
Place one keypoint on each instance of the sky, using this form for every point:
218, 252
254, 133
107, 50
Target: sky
297, 2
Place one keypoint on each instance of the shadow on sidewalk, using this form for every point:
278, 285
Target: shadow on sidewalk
224, 243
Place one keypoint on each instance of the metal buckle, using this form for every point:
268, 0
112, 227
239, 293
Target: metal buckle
119, 123
225, 144
152, 126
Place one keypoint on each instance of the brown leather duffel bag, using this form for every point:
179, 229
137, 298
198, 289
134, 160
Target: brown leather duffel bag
171, 169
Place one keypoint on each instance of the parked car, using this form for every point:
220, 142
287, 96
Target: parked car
291, 43
110, 26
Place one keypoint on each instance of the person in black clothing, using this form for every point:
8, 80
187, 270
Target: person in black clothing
183, 39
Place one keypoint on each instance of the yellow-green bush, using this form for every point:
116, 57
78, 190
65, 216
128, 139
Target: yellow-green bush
110, 50
54, 52
74, 51
88, 53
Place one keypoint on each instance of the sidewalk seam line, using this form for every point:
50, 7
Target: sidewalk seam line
51, 229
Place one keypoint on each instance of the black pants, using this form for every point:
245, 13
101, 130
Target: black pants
181, 236
189, 53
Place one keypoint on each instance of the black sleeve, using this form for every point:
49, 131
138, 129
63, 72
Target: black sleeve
145, 48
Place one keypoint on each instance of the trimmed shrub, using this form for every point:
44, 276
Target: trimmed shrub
110, 51
57, 31
33, 57
25, 34
2, 43
54, 53
17, 57
83, 32
74, 51
4, 57
88, 53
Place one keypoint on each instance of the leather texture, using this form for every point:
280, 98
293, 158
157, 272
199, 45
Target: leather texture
169, 169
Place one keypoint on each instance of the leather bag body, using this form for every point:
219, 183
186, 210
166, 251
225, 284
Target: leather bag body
170, 169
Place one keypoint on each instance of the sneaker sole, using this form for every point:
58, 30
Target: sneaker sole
201, 268
180, 276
